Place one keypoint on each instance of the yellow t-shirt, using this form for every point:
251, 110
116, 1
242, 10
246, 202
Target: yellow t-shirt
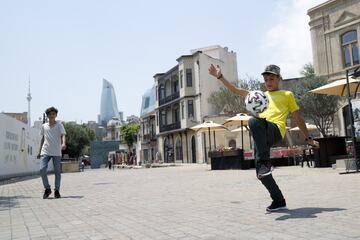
281, 102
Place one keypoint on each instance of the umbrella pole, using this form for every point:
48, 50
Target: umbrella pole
242, 136
214, 140
209, 140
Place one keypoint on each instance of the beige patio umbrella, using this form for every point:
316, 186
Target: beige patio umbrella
239, 129
338, 87
240, 119
310, 127
208, 126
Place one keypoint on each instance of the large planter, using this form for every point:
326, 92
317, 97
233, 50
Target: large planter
329, 147
69, 167
228, 153
233, 159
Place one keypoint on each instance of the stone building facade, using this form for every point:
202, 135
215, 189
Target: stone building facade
335, 37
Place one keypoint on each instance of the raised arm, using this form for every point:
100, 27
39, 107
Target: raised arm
216, 72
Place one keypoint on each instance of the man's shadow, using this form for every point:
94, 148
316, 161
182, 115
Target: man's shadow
7, 202
73, 197
304, 212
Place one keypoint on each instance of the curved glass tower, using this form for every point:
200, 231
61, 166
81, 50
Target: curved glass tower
108, 106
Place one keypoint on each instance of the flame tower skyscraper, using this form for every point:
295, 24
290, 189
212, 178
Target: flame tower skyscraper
108, 105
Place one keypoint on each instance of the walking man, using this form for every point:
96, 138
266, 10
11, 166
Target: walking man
269, 127
51, 145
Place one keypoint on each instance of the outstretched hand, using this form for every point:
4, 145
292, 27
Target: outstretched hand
63, 147
215, 71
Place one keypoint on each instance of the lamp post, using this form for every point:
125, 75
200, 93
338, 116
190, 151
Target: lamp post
355, 74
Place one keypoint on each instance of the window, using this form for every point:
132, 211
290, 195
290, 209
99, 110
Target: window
147, 102
350, 49
175, 85
161, 91
188, 77
152, 130
232, 143
146, 154
167, 88
191, 109
181, 78
157, 118
178, 150
152, 154
163, 118
182, 110
176, 115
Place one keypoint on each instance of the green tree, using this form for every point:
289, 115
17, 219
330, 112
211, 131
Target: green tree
129, 133
230, 103
320, 108
78, 138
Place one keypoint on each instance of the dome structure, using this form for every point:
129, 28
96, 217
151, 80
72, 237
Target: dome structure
113, 122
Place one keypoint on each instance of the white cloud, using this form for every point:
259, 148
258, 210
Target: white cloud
288, 43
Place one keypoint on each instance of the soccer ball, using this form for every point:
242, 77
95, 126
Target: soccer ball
256, 102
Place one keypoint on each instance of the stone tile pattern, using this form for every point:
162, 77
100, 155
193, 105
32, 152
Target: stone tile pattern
184, 202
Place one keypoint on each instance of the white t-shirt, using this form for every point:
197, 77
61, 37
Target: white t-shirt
52, 138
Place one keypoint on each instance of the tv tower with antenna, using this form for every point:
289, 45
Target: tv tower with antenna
29, 100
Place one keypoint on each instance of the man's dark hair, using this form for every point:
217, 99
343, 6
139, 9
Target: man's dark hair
51, 109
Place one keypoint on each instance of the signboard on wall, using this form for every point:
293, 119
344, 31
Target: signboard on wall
356, 115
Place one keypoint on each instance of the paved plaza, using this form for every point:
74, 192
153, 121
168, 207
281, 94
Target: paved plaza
183, 202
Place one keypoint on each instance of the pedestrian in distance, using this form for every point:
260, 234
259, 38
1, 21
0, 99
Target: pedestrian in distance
113, 162
109, 162
269, 127
53, 141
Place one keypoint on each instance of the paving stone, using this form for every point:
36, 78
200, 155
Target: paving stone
186, 202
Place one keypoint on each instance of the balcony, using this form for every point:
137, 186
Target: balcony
149, 137
170, 127
169, 98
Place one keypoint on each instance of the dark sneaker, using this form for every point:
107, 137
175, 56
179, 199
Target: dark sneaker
264, 170
276, 205
57, 194
47, 193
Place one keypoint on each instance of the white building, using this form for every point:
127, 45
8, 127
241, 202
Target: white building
182, 101
20, 146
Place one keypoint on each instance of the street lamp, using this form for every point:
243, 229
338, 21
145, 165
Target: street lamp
354, 74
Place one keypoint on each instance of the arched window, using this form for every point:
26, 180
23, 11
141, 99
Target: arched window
232, 143
178, 147
350, 48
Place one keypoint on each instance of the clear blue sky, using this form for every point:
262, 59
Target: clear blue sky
68, 46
